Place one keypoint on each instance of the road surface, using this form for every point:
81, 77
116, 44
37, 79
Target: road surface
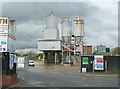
61, 76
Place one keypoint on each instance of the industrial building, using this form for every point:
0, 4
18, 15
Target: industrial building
72, 39
70, 44
87, 50
101, 49
7, 51
51, 43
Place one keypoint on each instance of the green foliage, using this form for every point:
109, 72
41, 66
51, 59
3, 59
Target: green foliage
116, 50
31, 55
115, 72
34, 56
39, 55
25, 54
17, 54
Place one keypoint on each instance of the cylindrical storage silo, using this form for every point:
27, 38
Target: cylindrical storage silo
78, 27
51, 21
66, 27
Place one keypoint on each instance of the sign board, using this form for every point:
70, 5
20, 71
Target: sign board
98, 62
84, 70
3, 29
11, 61
85, 60
12, 32
3, 43
15, 58
11, 45
20, 62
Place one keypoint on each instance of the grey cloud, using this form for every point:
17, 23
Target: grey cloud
25, 11
30, 16
28, 34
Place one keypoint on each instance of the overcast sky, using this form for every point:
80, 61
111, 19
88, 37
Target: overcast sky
101, 20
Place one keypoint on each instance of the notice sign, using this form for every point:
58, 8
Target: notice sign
85, 60
20, 62
3, 29
3, 43
98, 62
11, 61
83, 70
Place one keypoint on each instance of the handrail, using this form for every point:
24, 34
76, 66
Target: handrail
67, 48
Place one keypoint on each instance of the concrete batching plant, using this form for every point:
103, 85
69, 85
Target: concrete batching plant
66, 29
72, 43
62, 50
50, 44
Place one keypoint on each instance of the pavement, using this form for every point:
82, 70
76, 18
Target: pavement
20, 82
98, 74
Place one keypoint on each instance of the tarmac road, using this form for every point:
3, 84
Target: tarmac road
61, 76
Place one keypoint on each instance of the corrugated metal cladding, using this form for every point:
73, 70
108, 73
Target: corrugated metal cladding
49, 45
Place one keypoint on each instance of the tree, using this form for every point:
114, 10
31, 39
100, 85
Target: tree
39, 55
17, 54
116, 50
31, 53
25, 54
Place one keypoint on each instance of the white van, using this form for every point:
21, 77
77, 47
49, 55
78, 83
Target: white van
31, 63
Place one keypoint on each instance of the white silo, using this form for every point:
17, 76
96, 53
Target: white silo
51, 31
66, 30
51, 21
78, 30
78, 27
50, 44
66, 27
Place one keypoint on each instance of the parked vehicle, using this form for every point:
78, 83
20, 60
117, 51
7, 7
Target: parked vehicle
31, 63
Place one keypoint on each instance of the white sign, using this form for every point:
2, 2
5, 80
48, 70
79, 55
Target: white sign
15, 58
84, 70
20, 65
3, 43
11, 61
20, 62
98, 62
3, 30
98, 56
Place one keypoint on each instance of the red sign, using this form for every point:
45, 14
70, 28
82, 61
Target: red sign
100, 61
